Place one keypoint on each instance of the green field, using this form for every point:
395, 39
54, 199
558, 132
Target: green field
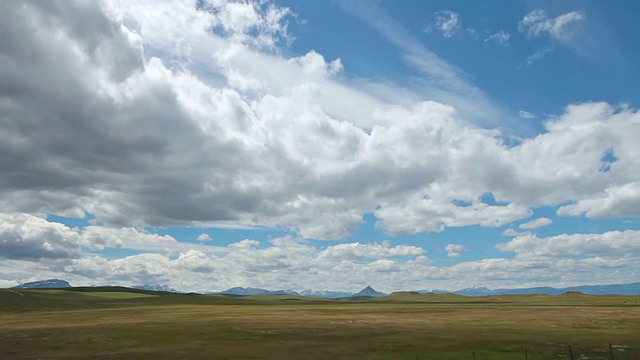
121, 323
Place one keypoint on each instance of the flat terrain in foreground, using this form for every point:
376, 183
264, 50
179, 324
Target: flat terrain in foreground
119, 323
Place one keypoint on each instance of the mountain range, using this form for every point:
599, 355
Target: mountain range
156, 287
622, 289
255, 291
44, 284
325, 293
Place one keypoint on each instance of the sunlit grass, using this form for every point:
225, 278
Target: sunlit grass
132, 324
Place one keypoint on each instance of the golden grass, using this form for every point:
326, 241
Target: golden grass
432, 327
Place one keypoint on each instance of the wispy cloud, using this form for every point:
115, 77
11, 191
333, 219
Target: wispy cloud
565, 28
446, 22
537, 56
442, 81
526, 115
535, 224
501, 38
449, 25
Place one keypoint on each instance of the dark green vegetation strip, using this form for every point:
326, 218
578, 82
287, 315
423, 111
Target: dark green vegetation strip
116, 323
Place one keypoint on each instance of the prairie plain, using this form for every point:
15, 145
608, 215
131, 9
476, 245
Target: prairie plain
117, 323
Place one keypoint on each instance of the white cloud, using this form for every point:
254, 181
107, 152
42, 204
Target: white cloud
193, 119
357, 251
421, 215
501, 38
28, 237
291, 263
454, 250
447, 22
259, 24
537, 56
198, 128
526, 115
100, 237
313, 63
204, 237
613, 245
537, 223
195, 261
565, 28
614, 201
510, 232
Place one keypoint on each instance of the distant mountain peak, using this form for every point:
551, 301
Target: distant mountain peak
369, 291
44, 284
255, 291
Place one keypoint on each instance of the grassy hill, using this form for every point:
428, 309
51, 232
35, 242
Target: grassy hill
110, 296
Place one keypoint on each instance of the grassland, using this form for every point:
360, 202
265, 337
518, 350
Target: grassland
117, 323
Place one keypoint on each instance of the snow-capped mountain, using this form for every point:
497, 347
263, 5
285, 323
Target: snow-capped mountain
156, 287
621, 289
325, 293
255, 291
475, 291
44, 284
433, 291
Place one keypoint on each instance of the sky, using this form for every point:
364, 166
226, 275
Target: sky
327, 145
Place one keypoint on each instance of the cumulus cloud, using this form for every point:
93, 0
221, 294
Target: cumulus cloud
510, 232
537, 223
195, 261
357, 251
204, 237
613, 245
291, 263
429, 215
143, 119
27, 237
100, 237
615, 201
454, 250
157, 115
186, 114
314, 64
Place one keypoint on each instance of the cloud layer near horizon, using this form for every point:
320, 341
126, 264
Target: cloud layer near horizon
291, 263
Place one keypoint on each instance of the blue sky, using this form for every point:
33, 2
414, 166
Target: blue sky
321, 144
